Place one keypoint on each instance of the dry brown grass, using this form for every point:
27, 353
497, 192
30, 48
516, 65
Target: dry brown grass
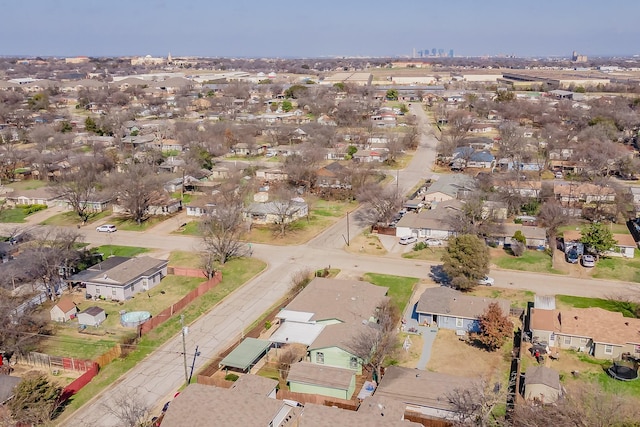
449, 355
366, 244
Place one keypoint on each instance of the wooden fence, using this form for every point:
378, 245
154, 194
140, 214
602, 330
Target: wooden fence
79, 382
215, 381
425, 420
54, 362
187, 272
177, 307
303, 398
106, 358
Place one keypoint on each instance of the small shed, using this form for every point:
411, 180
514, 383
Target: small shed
246, 354
542, 384
64, 310
92, 316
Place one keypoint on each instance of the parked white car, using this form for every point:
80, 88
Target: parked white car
407, 240
588, 261
486, 281
106, 228
433, 242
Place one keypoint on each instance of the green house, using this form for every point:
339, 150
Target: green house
311, 378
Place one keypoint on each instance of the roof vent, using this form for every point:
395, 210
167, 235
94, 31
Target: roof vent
626, 323
575, 317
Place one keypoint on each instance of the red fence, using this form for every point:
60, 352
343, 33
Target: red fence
163, 316
188, 272
79, 382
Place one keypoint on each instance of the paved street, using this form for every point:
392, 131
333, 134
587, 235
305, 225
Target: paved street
156, 378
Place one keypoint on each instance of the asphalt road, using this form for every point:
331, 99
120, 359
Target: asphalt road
155, 379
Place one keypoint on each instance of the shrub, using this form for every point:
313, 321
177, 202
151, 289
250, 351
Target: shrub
419, 246
267, 324
29, 209
231, 377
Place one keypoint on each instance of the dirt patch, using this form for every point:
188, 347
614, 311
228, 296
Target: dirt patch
447, 357
368, 244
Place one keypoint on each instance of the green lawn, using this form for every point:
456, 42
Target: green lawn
627, 308
13, 215
614, 268
185, 259
30, 184
72, 218
400, 288
114, 250
427, 254
608, 384
235, 274
128, 224
534, 261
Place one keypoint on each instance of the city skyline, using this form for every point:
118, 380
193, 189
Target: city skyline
246, 28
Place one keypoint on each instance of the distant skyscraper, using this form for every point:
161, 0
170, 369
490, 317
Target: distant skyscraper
434, 51
440, 52
451, 53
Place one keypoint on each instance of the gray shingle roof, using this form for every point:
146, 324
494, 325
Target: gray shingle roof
446, 301
542, 375
320, 375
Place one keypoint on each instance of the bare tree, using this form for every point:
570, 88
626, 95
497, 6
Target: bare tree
221, 229
380, 203
376, 341
553, 217
284, 207
136, 189
474, 405
77, 188
129, 409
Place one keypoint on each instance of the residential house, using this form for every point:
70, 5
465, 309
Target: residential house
368, 156
162, 205
120, 278
333, 175
275, 211
423, 392
173, 165
600, 333
201, 405
200, 206
434, 222
570, 193
523, 188
542, 385
64, 310
326, 315
448, 187
635, 194
378, 413
625, 244
467, 157
496, 211
273, 174
451, 309
313, 378
536, 236
92, 316
36, 196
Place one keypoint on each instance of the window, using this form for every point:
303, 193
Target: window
113, 292
319, 357
353, 363
459, 323
608, 349
567, 340
97, 291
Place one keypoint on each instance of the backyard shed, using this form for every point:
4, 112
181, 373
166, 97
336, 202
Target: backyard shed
245, 355
64, 310
92, 316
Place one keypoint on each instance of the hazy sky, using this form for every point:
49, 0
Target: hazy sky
285, 28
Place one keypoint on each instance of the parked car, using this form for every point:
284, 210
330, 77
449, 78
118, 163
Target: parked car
559, 175
433, 242
106, 228
573, 256
486, 281
407, 240
588, 261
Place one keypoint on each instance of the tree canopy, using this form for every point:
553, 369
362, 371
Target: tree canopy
495, 328
35, 399
466, 261
597, 237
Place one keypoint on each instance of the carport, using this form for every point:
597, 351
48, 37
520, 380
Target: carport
245, 355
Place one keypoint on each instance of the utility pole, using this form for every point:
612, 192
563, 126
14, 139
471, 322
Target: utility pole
184, 348
347, 228
196, 354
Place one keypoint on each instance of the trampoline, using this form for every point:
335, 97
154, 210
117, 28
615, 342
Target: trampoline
134, 318
622, 372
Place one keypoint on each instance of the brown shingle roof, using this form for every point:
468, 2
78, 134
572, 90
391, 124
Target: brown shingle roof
66, 304
422, 388
203, 406
314, 415
600, 325
350, 301
320, 375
